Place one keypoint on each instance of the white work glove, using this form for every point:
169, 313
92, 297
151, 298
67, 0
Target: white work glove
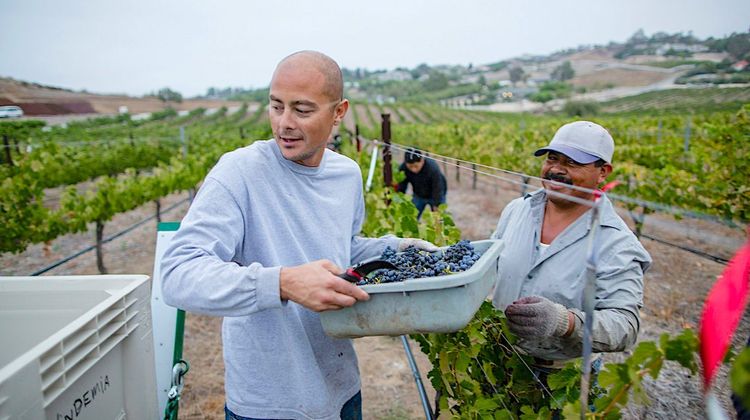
537, 317
417, 243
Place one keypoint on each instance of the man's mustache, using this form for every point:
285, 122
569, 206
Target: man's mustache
558, 178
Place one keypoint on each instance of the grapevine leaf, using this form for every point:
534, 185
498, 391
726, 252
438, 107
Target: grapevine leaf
487, 369
740, 377
484, 404
648, 356
503, 414
462, 362
682, 349
566, 378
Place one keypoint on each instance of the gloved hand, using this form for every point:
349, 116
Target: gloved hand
537, 317
417, 243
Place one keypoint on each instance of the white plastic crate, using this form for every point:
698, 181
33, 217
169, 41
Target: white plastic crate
430, 304
76, 347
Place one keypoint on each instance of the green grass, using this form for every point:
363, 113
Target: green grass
682, 100
673, 63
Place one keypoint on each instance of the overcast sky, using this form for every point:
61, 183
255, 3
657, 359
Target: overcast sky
139, 46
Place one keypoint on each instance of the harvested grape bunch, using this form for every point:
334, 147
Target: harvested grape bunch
414, 263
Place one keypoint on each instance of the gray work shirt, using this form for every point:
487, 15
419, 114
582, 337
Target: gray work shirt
255, 213
558, 274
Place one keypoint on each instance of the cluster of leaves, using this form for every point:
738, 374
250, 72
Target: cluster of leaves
28, 220
563, 72
478, 374
51, 164
10, 134
715, 73
650, 157
740, 377
711, 177
119, 183
168, 95
581, 108
552, 90
686, 101
476, 370
19, 129
640, 44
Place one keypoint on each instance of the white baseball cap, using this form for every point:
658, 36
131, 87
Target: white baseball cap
583, 141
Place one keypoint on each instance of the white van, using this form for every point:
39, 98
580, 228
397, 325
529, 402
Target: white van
10, 111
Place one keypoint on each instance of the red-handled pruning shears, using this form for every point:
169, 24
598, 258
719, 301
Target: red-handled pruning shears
356, 273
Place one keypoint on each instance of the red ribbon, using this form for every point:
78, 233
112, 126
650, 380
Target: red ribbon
722, 312
608, 186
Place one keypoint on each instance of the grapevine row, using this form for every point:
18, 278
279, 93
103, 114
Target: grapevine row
28, 220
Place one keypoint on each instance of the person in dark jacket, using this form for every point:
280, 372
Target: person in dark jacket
427, 182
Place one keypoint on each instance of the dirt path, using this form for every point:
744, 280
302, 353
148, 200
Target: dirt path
363, 116
395, 116
349, 123
674, 290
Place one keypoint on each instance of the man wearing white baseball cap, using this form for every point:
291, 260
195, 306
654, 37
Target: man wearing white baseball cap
540, 286
583, 141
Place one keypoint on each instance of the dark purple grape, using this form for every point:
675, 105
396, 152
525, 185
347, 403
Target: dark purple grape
415, 263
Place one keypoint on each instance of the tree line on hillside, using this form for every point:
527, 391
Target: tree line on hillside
425, 83
683, 45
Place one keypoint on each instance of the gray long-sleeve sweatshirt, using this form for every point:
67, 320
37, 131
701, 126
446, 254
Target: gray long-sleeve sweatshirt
255, 213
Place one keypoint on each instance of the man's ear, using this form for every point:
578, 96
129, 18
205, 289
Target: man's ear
341, 109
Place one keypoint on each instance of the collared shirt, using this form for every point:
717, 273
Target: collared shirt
558, 274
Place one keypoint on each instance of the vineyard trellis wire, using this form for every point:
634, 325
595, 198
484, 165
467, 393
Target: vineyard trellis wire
645, 363
109, 238
88, 143
521, 183
589, 291
522, 180
460, 359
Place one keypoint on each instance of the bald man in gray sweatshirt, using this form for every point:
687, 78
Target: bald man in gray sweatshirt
271, 226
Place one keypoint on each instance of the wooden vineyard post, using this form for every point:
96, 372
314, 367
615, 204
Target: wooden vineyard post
356, 137
8, 157
158, 210
385, 130
99, 246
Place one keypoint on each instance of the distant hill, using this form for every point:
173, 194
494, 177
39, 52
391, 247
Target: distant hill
37, 99
593, 72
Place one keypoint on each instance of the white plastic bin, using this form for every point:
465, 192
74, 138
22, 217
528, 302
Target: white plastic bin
76, 347
430, 304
